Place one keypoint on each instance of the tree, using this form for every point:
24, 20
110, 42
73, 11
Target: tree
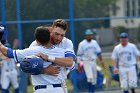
53, 9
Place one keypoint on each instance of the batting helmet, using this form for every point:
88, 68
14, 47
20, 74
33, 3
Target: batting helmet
32, 65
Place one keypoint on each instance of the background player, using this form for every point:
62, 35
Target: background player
57, 30
124, 57
8, 73
51, 83
88, 50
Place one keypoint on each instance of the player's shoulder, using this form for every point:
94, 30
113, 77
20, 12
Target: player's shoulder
65, 43
66, 40
117, 46
57, 48
34, 43
131, 44
62, 50
82, 42
34, 48
94, 41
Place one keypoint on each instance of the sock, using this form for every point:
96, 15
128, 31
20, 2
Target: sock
125, 91
16, 90
92, 88
132, 90
89, 87
5, 91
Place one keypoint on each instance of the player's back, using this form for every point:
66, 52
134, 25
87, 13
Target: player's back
53, 51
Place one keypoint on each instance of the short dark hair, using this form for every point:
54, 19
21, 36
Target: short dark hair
60, 23
42, 35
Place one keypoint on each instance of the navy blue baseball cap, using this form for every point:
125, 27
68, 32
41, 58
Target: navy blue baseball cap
123, 35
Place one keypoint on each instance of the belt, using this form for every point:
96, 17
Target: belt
127, 66
45, 86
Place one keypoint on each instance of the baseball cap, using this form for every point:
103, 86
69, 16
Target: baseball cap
88, 32
123, 35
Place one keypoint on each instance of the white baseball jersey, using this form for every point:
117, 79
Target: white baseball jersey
44, 79
88, 51
9, 74
65, 44
125, 55
8, 65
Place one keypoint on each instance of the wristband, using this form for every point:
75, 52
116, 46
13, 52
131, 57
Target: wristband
51, 58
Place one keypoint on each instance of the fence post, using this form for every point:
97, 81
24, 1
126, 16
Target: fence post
23, 76
72, 35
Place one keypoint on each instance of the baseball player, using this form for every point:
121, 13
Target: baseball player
58, 30
88, 51
124, 61
44, 83
8, 74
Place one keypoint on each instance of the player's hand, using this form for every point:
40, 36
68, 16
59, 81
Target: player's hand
116, 71
43, 56
103, 65
51, 70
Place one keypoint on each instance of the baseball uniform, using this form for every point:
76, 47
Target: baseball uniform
126, 58
87, 52
9, 74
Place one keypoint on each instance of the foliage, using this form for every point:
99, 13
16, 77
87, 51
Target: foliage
53, 9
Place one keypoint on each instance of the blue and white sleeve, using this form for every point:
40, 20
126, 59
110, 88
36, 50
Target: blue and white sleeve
13, 54
114, 55
19, 55
70, 53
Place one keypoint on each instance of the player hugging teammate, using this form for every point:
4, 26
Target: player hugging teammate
52, 46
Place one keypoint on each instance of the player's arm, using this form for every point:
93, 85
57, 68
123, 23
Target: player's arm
18, 55
51, 70
68, 61
99, 54
115, 61
101, 60
3, 49
80, 53
137, 53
